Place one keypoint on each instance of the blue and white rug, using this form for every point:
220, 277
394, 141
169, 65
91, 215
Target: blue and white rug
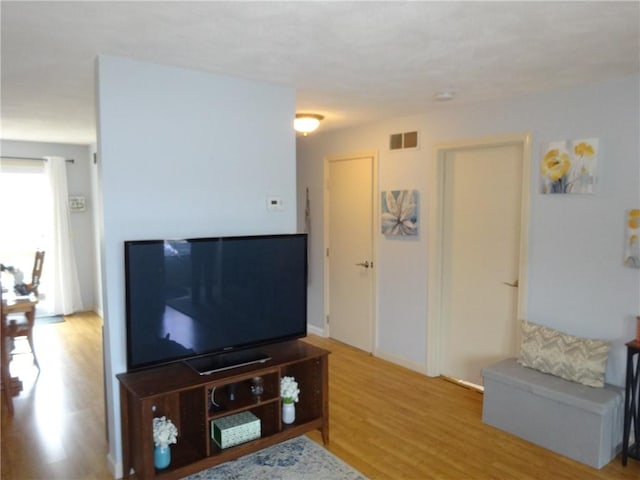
49, 319
297, 459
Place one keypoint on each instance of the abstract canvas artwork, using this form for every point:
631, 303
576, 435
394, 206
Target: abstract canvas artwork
632, 243
569, 166
400, 212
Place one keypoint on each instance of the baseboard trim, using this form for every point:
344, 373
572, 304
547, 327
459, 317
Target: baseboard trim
316, 330
403, 362
114, 468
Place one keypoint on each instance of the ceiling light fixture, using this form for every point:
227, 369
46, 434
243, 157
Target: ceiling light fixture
306, 123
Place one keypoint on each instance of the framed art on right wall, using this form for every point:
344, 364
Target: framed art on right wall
632, 241
569, 166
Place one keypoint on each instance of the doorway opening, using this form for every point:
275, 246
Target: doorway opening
28, 222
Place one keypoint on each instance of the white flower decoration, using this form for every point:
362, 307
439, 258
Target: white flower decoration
164, 432
289, 390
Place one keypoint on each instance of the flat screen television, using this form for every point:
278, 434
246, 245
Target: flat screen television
211, 301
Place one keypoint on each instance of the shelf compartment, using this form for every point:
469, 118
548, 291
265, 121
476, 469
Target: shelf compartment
185, 409
183, 453
269, 423
308, 374
237, 396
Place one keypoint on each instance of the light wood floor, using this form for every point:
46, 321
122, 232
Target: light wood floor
58, 428
386, 421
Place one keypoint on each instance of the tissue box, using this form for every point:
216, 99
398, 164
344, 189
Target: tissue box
235, 429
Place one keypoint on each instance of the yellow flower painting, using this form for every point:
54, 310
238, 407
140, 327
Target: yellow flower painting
569, 166
632, 245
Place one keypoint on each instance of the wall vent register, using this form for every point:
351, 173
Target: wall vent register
401, 141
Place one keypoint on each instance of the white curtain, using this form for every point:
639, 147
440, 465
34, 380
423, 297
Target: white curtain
61, 259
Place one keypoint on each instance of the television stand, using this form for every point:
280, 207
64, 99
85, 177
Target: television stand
185, 397
226, 361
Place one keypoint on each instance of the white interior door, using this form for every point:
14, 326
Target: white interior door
349, 300
481, 257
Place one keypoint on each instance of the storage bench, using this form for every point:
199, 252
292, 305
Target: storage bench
581, 422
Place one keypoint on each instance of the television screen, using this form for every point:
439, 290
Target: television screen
190, 298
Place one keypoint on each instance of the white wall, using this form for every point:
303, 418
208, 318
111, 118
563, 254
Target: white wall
576, 279
183, 154
78, 183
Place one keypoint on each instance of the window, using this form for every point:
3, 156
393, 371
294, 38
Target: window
26, 218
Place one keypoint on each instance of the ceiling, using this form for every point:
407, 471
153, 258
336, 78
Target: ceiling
353, 62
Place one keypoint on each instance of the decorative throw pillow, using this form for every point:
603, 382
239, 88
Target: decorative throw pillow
581, 360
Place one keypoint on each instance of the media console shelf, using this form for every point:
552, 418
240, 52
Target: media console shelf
179, 393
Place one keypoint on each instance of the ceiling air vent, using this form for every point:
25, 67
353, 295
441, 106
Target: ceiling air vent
401, 141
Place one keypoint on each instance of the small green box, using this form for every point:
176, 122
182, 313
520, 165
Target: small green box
235, 429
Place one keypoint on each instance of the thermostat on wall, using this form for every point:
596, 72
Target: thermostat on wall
76, 204
275, 204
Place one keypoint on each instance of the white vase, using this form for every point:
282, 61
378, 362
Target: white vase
288, 413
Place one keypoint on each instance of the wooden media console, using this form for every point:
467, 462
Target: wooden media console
192, 401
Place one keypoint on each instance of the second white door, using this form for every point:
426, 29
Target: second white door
481, 246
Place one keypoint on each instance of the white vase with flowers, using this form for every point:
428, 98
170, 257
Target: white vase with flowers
289, 393
164, 434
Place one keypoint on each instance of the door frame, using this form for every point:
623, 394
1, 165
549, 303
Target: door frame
435, 318
373, 154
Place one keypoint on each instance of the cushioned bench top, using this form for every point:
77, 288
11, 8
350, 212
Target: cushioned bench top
596, 400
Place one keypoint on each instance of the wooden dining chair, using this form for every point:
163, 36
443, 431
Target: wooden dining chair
21, 316
18, 321
36, 273
5, 357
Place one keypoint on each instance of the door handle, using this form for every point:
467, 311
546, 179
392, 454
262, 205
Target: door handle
365, 264
514, 284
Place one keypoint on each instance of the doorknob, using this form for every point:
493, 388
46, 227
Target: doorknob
365, 264
514, 284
